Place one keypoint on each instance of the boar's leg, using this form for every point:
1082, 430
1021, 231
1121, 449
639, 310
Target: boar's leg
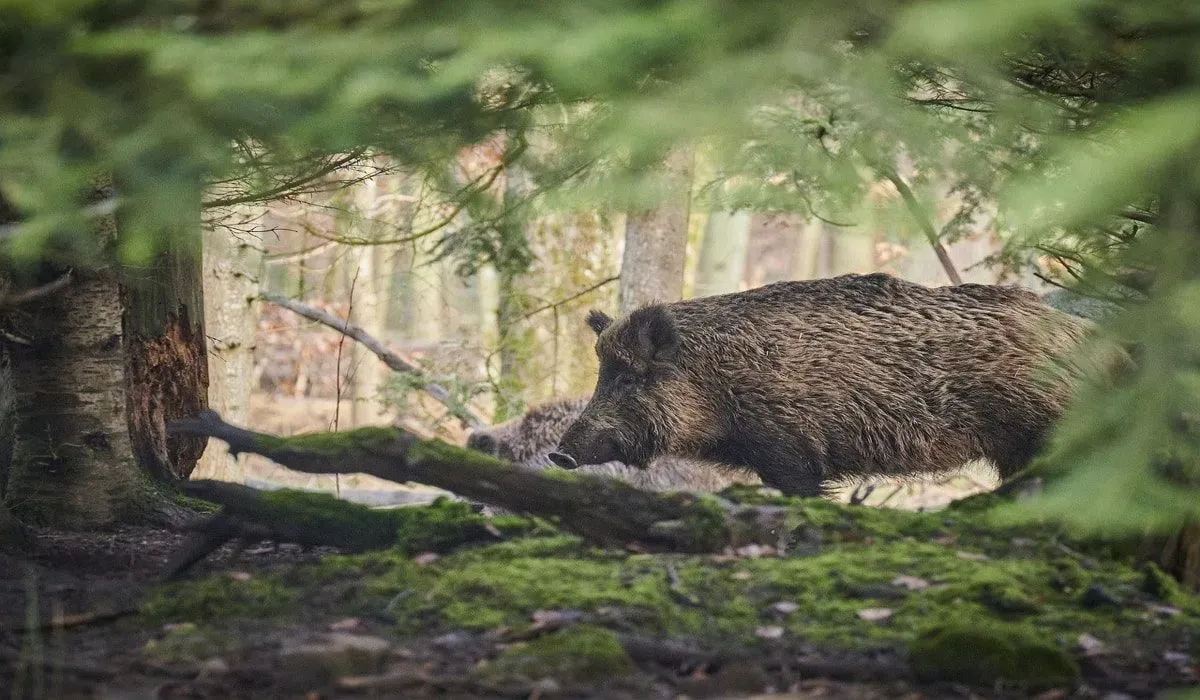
794, 479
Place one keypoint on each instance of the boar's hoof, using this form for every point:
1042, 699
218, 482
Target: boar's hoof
565, 461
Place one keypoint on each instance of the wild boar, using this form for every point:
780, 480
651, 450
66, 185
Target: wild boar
529, 439
814, 383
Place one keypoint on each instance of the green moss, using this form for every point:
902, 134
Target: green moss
581, 654
335, 444
984, 653
437, 527
196, 504
1004, 594
705, 527
186, 643
217, 597
1164, 587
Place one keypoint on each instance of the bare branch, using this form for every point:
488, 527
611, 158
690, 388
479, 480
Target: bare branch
923, 220
394, 362
573, 297
289, 186
36, 293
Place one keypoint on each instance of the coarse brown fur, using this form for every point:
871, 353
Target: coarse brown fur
817, 382
528, 439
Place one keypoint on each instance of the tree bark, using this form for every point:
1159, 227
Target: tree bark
166, 358
72, 463
723, 253
232, 282
652, 263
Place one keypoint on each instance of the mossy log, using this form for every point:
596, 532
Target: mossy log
603, 511
319, 519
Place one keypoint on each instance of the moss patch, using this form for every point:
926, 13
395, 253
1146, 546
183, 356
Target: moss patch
986, 653
186, 643
582, 654
337, 444
217, 597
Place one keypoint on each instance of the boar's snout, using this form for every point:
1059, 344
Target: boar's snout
580, 447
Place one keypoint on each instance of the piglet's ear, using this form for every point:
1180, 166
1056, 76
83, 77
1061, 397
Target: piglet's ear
598, 321
656, 336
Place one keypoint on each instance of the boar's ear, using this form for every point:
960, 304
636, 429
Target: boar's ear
598, 321
657, 336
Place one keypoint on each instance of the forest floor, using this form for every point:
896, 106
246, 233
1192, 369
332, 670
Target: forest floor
856, 602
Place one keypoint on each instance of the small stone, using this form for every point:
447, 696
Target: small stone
1179, 660
1097, 596
346, 624
1090, 645
1163, 610
784, 607
971, 556
912, 583
755, 551
769, 632
336, 655
240, 576
212, 669
452, 640
556, 618
1022, 542
546, 686
425, 559
874, 614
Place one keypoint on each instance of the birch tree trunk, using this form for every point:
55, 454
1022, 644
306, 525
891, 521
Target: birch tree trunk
72, 461
723, 253
233, 268
652, 263
368, 308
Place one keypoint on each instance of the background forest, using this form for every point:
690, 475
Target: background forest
196, 194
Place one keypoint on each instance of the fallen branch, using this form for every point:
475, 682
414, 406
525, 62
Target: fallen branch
604, 511
394, 362
78, 620
322, 520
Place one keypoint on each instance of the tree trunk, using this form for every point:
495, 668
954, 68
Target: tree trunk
72, 462
652, 264
166, 359
723, 253
806, 253
368, 309
232, 282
